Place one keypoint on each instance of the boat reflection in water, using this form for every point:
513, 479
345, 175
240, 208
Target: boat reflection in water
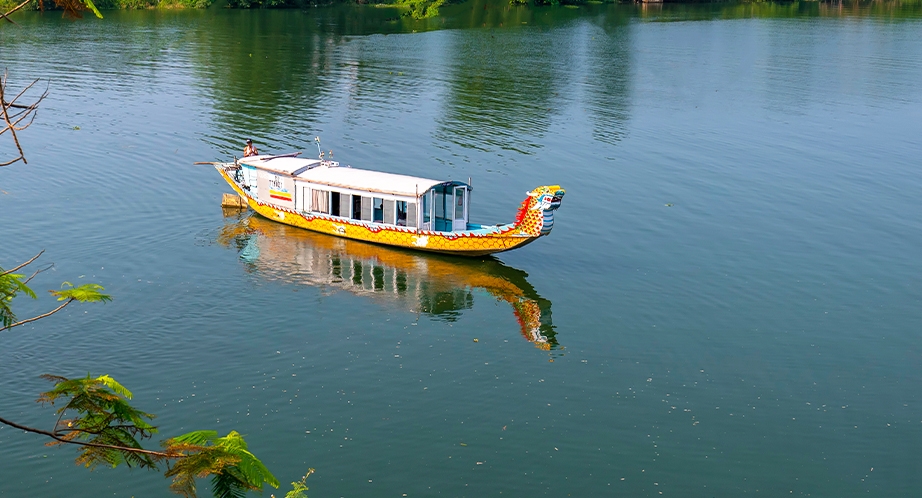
438, 286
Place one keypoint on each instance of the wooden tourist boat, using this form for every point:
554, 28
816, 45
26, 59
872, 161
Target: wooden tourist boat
383, 208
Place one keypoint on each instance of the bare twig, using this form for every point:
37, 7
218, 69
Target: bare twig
39, 317
11, 121
36, 272
21, 92
27, 263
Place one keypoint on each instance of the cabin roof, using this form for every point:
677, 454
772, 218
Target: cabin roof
317, 171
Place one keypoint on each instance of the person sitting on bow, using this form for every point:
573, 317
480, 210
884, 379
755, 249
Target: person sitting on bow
250, 149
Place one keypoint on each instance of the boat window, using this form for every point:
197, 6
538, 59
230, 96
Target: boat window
344, 207
320, 201
366, 208
459, 203
377, 210
389, 212
356, 207
426, 202
411, 215
334, 203
439, 204
401, 213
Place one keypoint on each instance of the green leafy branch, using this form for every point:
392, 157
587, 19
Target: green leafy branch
95, 414
233, 469
11, 284
299, 488
108, 429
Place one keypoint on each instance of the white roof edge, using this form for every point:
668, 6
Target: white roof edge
346, 177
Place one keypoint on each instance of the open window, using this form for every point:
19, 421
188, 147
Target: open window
335, 203
356, 207
340, 204
449, 211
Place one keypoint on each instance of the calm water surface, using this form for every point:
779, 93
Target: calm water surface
729, 303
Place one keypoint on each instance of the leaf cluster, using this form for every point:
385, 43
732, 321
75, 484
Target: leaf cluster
95, 413
299, 488
103, 418
11, 284
86, 293
233, 469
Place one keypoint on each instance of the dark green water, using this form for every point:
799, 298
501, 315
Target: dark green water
729, 302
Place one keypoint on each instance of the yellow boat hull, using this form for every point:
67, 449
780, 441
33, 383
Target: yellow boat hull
465, 243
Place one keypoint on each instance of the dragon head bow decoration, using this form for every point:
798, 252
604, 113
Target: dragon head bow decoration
536, 214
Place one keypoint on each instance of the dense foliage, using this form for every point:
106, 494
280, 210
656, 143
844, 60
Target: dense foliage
418, 9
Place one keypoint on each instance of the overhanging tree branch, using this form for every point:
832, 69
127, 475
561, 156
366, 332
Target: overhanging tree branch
52, 435
11, 121
14, 9
27, 263
39, 317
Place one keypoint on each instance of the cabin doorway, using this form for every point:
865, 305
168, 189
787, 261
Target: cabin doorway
442, 204
449, 208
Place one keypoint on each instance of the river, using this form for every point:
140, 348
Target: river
729, 302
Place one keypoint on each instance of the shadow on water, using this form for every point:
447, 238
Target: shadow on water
435, 286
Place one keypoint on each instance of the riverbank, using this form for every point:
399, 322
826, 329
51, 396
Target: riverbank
421, 9
426, 7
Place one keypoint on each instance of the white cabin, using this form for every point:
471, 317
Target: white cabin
323, 187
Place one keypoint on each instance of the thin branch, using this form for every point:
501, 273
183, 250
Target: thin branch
96, 433
6, 117
27, 263
39, 317
36, 272
18, 117
16, 120
20, 106
14, 9
24, 90
54, 436
2, 15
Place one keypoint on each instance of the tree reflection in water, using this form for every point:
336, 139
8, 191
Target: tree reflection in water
437, 286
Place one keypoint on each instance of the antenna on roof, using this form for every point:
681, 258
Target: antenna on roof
317, 139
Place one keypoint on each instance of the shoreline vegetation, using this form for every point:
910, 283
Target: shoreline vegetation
422, 9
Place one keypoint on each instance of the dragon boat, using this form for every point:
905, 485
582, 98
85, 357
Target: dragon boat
383, 208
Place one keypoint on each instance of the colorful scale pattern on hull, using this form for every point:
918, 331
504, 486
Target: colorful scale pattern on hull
529, 226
